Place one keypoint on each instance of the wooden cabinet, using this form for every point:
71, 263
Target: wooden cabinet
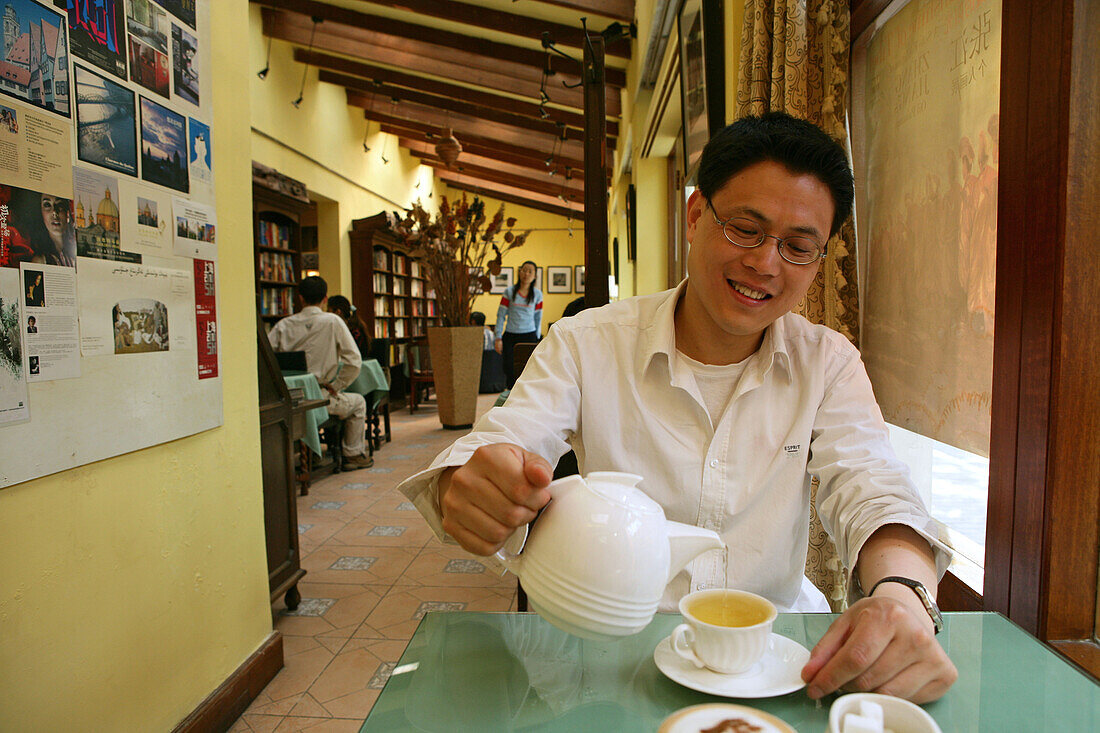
284, 559
277, 226
389, 285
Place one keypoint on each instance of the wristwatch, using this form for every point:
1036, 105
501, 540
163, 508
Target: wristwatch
922, 593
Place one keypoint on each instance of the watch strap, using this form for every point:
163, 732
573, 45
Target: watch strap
922, 593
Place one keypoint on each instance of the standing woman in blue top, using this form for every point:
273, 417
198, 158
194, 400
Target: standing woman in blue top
521, 309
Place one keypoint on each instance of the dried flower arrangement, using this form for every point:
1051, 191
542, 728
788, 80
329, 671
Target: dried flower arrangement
458, 247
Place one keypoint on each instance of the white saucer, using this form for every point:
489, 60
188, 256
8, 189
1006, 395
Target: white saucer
777, 673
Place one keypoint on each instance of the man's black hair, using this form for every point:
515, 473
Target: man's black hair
798, 145
313, 289
477, 318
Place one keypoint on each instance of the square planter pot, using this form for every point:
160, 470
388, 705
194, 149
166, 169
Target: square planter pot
456, 365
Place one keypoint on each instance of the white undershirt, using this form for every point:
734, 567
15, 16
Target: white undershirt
716, 382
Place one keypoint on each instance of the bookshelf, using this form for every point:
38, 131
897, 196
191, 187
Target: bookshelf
277, 232
389, 285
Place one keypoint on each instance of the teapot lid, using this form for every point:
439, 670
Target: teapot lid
622, 488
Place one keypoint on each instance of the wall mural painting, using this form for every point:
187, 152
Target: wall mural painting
932, 97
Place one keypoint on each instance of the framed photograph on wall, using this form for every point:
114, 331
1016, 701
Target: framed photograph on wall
503, 281
559, 281
702, 77
578, 281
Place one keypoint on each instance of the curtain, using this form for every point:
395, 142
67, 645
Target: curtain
794, 59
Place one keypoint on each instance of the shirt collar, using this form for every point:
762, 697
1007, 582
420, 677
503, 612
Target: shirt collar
660, 338
311, 309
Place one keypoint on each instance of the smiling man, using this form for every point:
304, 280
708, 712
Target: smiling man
727, 404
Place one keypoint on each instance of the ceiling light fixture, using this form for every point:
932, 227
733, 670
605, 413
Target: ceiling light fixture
262, 73
305, 67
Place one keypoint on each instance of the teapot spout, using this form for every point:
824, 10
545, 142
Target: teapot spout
686, 542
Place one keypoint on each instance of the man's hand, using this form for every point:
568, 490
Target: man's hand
498, 344
500, 488
883, 644
330, 389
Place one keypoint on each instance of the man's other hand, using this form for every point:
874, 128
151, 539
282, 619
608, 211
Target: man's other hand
882, 644
502, 487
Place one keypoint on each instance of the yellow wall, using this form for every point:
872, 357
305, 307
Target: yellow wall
131, 588
321, 145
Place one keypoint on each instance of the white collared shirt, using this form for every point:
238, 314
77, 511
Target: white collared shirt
331, 353
606, 383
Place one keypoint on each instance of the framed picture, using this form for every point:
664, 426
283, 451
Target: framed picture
702, 78
559, 281
578, 281
503, 281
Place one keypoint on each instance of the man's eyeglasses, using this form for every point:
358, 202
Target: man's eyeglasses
744, 232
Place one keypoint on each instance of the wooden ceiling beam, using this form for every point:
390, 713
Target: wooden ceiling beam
455, 105
468, 68
512, 195
487, 174
487, 19
523, 158
463, 125
351, 69
472, 160
615, 9
388, 31
522, 155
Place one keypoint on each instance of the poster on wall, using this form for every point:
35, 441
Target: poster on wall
206, 319
34, 52
14, 405
145, 219
202, 170
97, 217
133, 309
97, 33
163, 146
35, 227
185, 74
35, 148
105, 123
148, 45
48, 295
196, 229
182, 9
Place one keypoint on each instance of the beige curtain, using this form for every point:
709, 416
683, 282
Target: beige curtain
794, 59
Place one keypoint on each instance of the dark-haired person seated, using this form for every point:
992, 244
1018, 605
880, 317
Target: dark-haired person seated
727, 404
332, 357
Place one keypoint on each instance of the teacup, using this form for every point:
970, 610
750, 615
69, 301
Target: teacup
726, 631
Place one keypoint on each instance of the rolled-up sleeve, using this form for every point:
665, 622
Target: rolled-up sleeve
540, 415
864, 485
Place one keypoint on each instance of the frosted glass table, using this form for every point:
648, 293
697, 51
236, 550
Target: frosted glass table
502, 672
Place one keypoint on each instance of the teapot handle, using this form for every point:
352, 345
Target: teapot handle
509, 559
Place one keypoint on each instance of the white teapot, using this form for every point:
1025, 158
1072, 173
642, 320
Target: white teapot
597, 561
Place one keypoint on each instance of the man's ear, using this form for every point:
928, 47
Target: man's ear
696, 205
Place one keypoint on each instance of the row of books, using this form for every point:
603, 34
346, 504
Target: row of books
421, 308
275, 266
276, 301
272, 234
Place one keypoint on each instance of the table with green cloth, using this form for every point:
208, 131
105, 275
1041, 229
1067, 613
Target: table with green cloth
371, 378
465, 671
313, 418
502, 398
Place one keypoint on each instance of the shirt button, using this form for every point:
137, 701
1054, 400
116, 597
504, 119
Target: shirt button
714, 463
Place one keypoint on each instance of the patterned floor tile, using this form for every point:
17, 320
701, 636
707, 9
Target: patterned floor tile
396, 617
375, 566
443, 566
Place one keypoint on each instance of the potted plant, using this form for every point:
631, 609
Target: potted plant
460, 247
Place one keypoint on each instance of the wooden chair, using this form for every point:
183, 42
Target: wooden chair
420, 371
378, 401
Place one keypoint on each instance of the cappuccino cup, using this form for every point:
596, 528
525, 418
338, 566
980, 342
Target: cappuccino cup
725, 631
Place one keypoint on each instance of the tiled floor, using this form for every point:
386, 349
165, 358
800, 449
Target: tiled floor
373, 570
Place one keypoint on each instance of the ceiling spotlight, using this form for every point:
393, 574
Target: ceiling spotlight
262, 73
297, 102
385, 160
549, 160
366, 148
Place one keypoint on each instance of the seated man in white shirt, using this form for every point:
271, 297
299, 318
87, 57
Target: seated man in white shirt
726, 403
332, 357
